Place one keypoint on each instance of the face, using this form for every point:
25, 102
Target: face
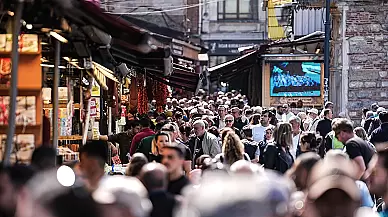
236, 113
285, 109
222, 112
229, 122
264, 119
88, 165
162, 141
330, 115
342, 136
136, 129
378, 178
295, 126
199, 130
312, 115
7, 195
171, 160
268, 134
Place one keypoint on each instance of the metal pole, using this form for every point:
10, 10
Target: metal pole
327, 51
109, 120
87, 118
57, 60
14, 82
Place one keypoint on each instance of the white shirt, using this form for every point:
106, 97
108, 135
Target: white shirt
258, 132
221, 124
295, 144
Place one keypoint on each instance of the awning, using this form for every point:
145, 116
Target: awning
230, 69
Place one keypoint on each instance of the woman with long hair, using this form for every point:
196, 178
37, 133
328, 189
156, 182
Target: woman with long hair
161, 139
277, 155
232, 149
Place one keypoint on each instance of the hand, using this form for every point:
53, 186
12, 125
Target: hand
114, 150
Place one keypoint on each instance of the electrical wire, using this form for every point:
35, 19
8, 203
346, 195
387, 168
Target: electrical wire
168, 10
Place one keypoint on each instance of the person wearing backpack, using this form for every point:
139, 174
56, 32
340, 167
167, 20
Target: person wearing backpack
277, 155
251, 147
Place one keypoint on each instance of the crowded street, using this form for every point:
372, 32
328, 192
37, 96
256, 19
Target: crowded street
193, 108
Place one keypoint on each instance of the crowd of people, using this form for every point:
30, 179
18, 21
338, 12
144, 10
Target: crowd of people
212, 156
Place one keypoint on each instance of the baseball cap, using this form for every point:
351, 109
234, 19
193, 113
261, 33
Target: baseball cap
313, 110
336, 173
125, 191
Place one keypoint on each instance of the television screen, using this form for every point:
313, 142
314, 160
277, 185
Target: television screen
295, 79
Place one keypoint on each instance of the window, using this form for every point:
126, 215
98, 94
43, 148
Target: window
238, 10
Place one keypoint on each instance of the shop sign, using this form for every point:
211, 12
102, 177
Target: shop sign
228, 47
93, 107
177, 50
96, 90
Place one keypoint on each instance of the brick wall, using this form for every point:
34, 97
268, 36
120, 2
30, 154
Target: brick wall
367, 32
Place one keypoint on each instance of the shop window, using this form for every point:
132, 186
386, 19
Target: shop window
238, 10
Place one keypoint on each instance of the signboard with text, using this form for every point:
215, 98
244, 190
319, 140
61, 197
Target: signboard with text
228, 47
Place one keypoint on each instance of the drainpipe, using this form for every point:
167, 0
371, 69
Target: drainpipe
327, 51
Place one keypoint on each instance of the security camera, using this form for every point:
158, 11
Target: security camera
123, 69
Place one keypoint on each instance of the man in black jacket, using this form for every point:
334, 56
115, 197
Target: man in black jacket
155, 178
324, 125
380, 135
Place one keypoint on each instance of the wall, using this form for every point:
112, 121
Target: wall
364, 48
174, 17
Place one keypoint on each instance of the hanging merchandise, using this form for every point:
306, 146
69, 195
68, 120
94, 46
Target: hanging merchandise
142, 107
160, 95
133, 96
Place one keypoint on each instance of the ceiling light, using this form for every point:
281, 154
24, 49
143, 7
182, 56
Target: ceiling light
59, 37
29, 26
52, 66
10, 13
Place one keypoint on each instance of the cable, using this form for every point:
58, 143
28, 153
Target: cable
168, 10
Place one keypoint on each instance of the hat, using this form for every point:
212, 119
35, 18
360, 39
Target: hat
336, 173
328, 103
126, 191
313, 110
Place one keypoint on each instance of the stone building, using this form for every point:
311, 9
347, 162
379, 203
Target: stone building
359, 56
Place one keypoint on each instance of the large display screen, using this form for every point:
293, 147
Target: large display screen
295, 79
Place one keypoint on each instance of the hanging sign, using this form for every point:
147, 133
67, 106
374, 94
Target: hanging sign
96, 90
93, 107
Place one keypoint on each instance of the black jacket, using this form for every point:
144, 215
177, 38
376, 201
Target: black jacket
324, 127
276, 159
163, 204
380, 134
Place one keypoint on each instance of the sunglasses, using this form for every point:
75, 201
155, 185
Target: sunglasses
228, 121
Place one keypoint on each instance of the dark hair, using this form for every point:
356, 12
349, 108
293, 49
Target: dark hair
200, 161
145, 122
179, 150
293, 105
185, 130
159, 126
364, 111
310, 138
213, 130
247, 130
19, 174
131, 124
137, 162
161, 134
342, 124
43, 158
383, 116
308, 160
97, 149
255, 119
326, 112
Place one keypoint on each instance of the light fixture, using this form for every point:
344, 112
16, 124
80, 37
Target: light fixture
29, 26
10, 13
58, 37
52, 66
318, 48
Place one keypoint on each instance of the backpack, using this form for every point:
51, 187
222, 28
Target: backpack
250, 148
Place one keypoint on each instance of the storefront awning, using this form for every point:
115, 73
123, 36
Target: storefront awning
230, 69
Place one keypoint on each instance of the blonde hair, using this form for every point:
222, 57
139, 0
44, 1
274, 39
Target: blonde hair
283, 135
233, 148
154, 147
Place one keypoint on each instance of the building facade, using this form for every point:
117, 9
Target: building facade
229, 24
359, 55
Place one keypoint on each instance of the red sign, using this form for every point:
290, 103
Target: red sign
93, 107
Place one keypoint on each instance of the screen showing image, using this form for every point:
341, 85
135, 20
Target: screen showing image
295, 79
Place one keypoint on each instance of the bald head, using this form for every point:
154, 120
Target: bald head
154, 176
